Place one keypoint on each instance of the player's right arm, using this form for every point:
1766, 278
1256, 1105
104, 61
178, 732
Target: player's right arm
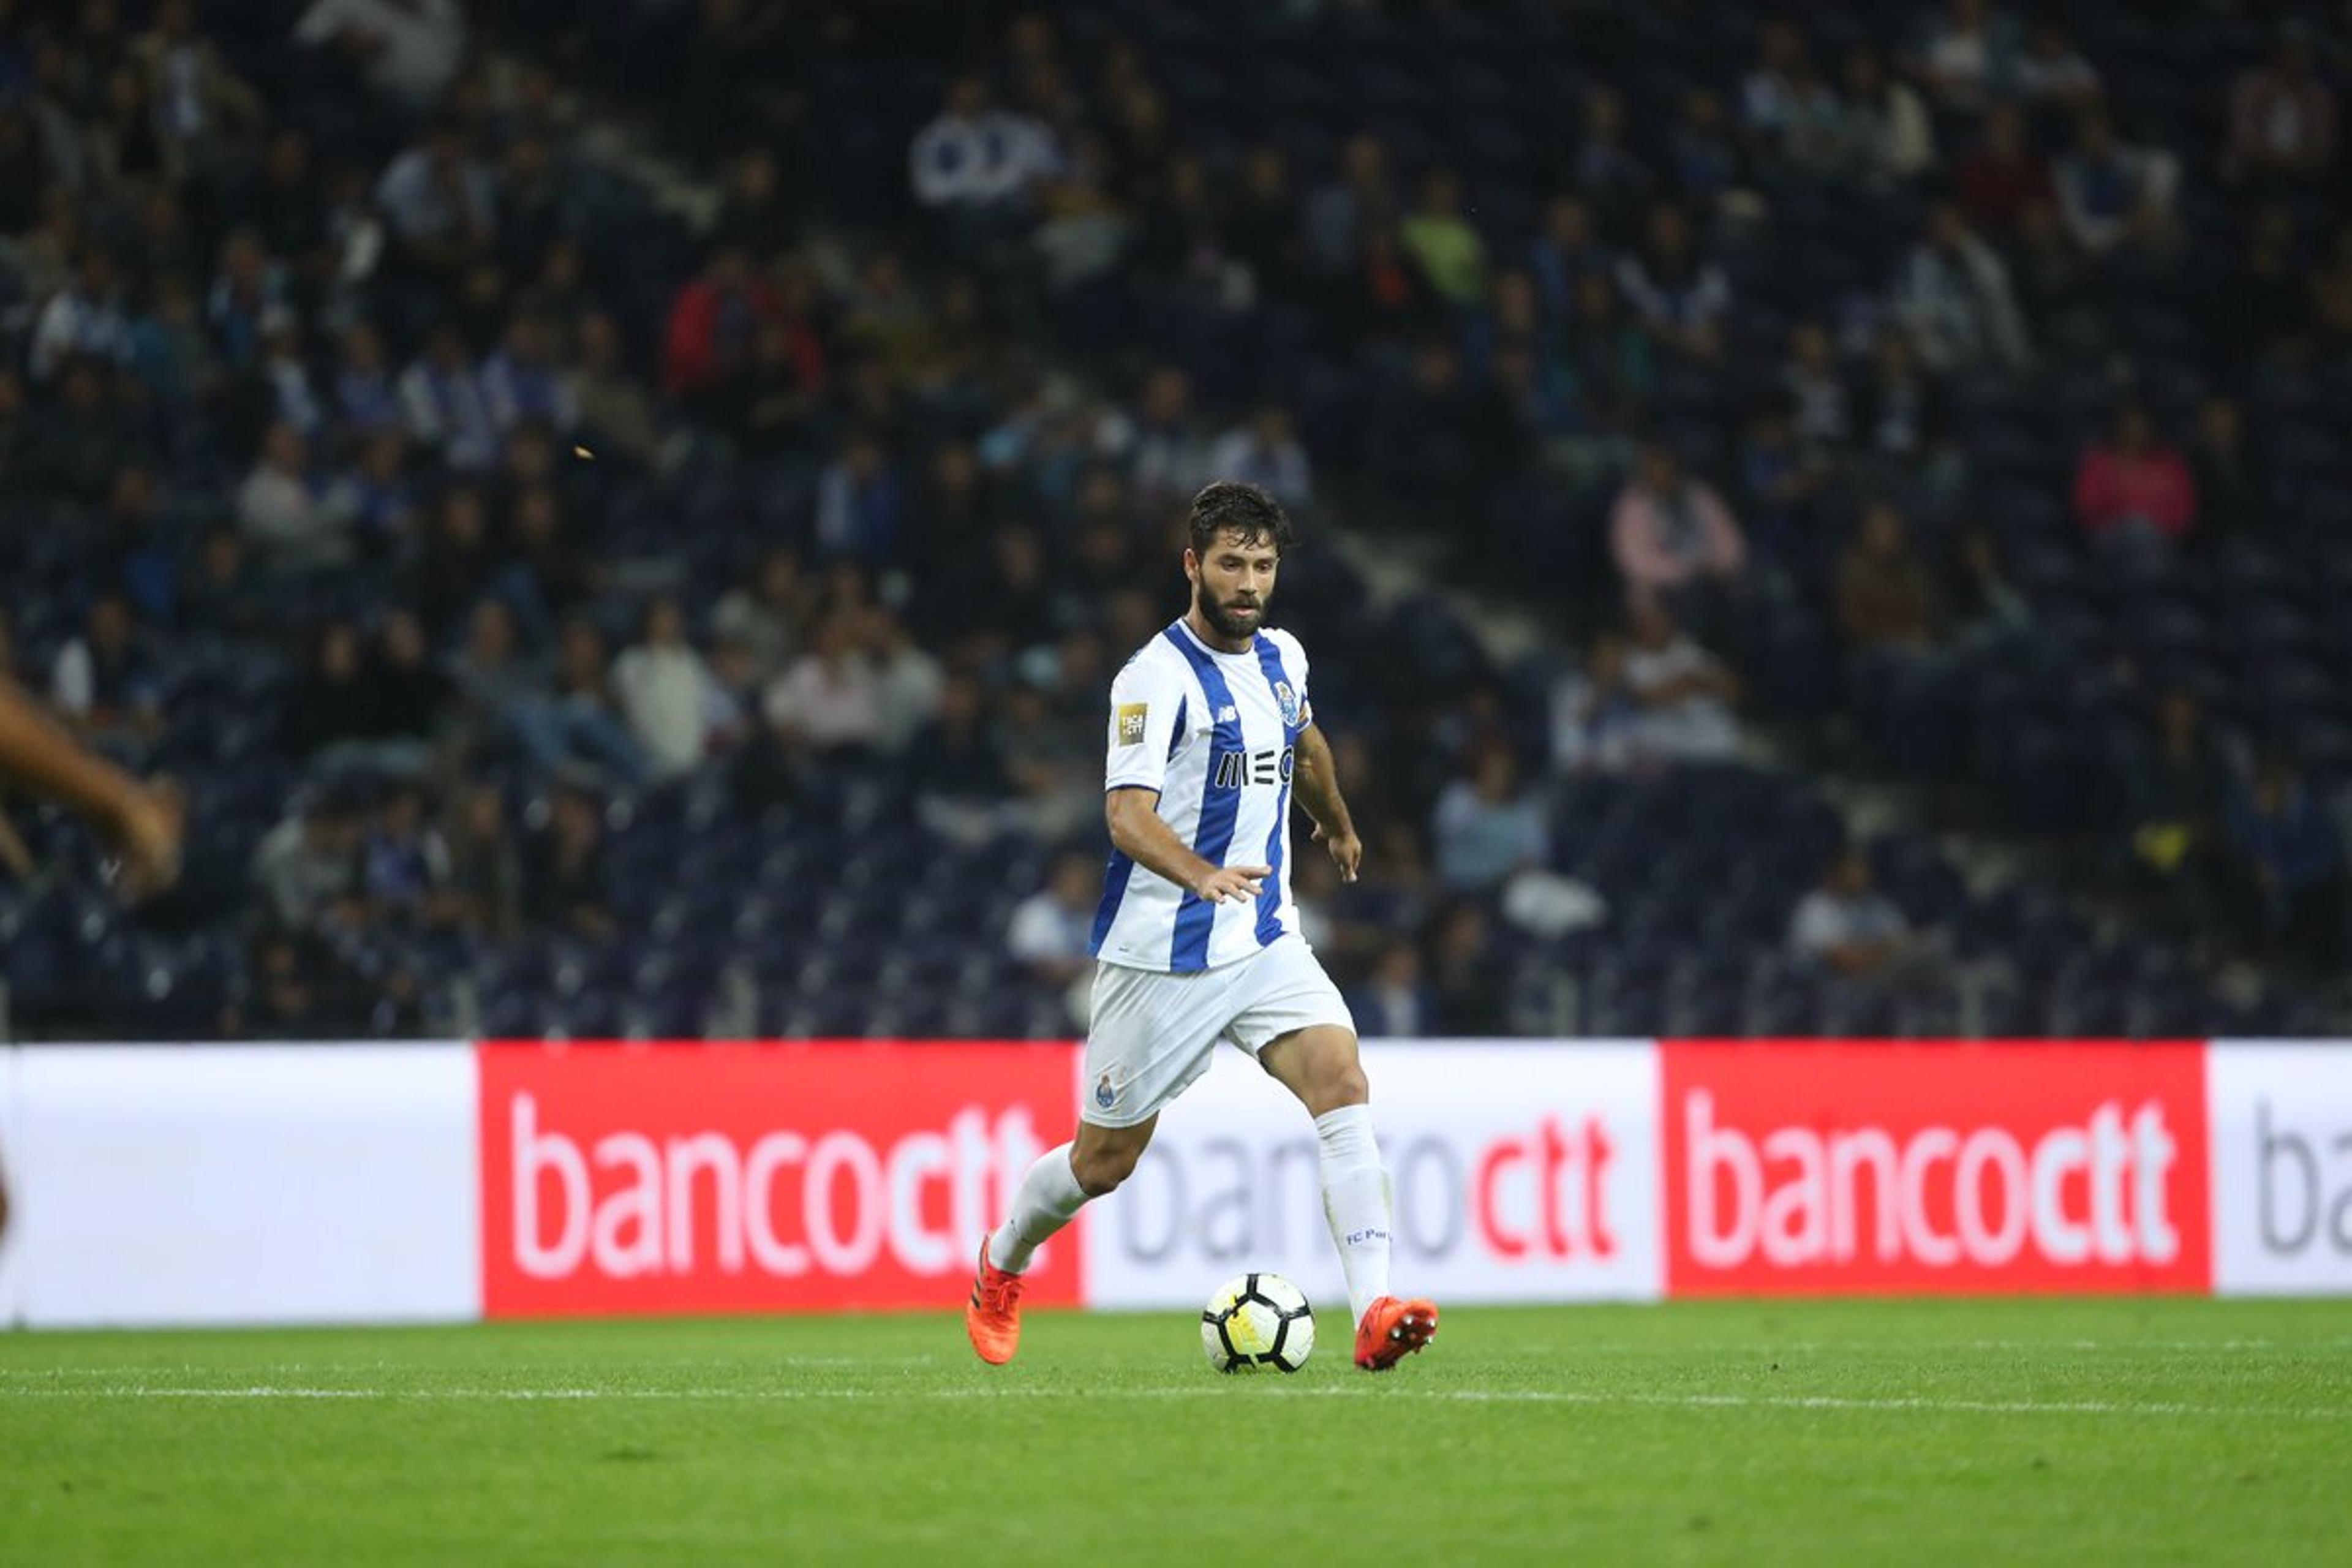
1139, 832
142, 828
1147, 701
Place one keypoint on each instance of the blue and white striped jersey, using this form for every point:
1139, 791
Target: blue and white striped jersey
1215, 733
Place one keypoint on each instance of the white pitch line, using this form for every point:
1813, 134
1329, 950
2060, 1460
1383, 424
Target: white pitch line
1903, 1403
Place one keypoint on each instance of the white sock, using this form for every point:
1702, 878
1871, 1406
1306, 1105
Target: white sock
1049, 1197
1355, 1203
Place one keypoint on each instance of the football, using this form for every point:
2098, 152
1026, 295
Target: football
1258, 1323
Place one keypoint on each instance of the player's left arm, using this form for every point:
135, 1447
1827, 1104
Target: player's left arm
1314, 780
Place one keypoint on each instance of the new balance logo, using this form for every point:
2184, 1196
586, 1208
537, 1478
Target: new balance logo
1235, 769
1228, 714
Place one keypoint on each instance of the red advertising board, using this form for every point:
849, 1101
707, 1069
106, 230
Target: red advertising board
1802, 1168
720, 1178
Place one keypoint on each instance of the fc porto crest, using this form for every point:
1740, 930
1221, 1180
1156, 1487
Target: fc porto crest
1287, 701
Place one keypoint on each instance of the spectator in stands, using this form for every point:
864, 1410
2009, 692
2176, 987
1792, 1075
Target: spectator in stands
1466, 981
1682, 299
1886, 597
105, 683
1488, 826
1819, 394
362, 396
1969, 57
84, 320
1442, 244
1771, 94
440, 199
713, 325
205, 109
2133, 492
1953, 296
1263, 224
828, 699
617, 418
860, 504
2264, 311
567, 882
2289, 863
907, 678
447, 409
306, 869
2051, 74
665, 691
1609, 174
2225, 476
582, 722
2058, 287
1052, 929
978, 162
279, 1001
224, 592
1564, 254
326, 706
769, 613
2174, 794
2111, 194
2004, 176
1341, 215
1673, 538
959, 776
1889, 139
1848, 928
521, 380
1267, 452
485, 874
2283, 117
1686, 696
1394, 1003
406, 875
403, 693
295, 527
407, 50
1595, 721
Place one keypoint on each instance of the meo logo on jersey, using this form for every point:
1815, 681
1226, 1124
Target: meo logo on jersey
1235, 769
1127, 723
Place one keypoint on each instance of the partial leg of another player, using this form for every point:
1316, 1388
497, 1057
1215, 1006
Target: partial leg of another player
1064, 1180
1320, 1064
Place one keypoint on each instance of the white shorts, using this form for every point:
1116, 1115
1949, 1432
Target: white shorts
1150, 1033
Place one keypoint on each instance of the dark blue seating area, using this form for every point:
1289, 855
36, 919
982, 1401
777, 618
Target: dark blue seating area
825, 906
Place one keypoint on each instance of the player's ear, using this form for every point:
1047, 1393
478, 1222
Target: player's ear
1192, 565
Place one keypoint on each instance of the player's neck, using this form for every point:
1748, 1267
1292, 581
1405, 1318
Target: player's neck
1210, 637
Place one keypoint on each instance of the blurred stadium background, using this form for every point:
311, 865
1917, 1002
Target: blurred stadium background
619, 516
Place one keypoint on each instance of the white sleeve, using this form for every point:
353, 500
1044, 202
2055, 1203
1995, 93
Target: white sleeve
1144, 703
1294, 660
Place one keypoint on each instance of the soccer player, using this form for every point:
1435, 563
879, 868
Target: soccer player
1197, 939
142, 828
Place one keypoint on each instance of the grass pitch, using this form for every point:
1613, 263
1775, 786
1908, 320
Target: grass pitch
2073, 1432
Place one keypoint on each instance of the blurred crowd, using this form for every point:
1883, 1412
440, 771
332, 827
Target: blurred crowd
433, 494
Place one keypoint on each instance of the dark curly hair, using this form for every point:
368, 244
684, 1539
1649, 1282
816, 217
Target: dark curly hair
1229, 506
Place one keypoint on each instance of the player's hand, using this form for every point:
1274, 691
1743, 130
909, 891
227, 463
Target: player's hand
1243, 882
1347, 851
144, 830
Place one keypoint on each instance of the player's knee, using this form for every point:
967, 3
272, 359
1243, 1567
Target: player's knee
1346, 1084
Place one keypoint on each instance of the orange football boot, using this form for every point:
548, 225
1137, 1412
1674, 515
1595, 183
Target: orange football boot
1393, 1329
993, 1316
